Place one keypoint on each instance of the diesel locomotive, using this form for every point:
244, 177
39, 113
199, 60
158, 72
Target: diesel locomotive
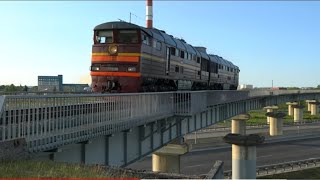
130, 58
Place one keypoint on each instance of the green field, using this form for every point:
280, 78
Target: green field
258, 116
49, 169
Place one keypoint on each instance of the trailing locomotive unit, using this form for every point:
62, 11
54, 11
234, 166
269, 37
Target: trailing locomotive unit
131, 58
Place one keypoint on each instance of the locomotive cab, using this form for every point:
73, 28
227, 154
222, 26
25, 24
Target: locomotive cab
115, 58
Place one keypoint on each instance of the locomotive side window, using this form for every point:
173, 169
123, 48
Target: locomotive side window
177, 69
177, 52
194, 57
104, 37
157, 44
182, 54
127, 36
145, 39
198, 59
173, 51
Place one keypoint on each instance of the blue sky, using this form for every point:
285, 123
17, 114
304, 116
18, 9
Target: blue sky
270, 40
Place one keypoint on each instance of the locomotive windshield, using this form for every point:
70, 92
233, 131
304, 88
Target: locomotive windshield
127, 36
103, 37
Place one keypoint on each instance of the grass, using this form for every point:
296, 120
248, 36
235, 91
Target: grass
258, 116
313, 173
49, 169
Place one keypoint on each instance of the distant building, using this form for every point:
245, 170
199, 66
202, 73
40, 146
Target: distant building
55, 84
50, 83
245, 86
75, 87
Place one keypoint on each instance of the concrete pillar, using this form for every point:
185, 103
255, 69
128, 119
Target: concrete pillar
313, 107
270, 109
290, 108
244, 154
309, 105
276, 123
297, 113
167, 159
238, 124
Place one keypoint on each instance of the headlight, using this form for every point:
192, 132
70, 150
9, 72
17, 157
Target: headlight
113, 49
93, 68
132, 69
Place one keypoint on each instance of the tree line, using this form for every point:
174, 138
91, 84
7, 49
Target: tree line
13, 88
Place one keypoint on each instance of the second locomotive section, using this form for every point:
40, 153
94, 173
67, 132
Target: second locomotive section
130, 58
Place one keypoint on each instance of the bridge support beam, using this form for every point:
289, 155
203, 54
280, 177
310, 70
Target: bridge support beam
313, 107
244, 154
298, 113
290, 108
167, 159
270, 109
276, 123
238, 124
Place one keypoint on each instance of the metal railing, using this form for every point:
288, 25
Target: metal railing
50, 121
55, 120
283, 167
288, 167
255, 93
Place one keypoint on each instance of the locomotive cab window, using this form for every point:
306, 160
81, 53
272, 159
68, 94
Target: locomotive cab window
127, 36
103, 37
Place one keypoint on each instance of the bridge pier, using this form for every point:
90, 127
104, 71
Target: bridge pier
276, 123
244, 154
167, 159
309, 105
238, 124
298, 113
313, 107
270, 109
290, 108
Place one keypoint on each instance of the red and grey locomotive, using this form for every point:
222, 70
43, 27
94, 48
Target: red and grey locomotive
130, 58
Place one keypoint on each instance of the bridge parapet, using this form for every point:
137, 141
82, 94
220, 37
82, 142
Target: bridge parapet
67, 119
1, 104
255, 93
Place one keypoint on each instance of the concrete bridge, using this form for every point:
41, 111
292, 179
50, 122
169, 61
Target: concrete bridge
118, 129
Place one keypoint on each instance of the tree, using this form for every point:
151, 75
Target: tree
11, 88
318, 87
25, 88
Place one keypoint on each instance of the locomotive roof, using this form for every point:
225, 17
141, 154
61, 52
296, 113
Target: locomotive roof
168, 39
116, 25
